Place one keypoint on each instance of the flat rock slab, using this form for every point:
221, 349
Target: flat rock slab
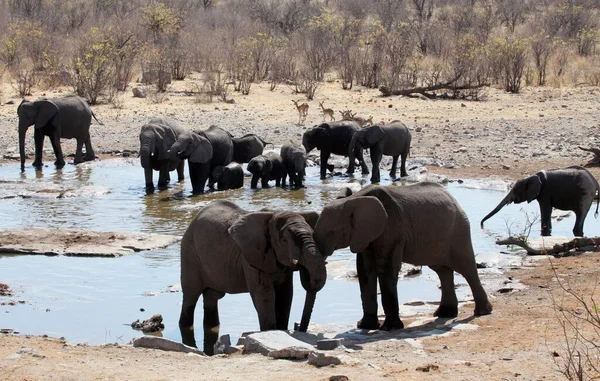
271, 341
545, 243
80, 242
154, 342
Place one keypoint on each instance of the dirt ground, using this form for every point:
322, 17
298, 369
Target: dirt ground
506, 136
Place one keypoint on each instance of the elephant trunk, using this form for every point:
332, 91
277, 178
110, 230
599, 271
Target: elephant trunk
22, 131
507, 200
146, 150
354, 146
309, 304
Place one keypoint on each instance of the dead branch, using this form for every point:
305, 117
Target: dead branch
595, 161
558, 250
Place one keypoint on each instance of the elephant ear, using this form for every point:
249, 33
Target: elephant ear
367, 218
169, 138
268, 166
533, 188
203, 150
310, 217
251, 233
373, 135
46, 110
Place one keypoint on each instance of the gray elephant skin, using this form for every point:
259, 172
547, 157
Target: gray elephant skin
230, 176
247, 147
333, 138
204, 151
572, 188
266, 167
58, 118
156, 138
419, 224
391, 139
294, 162
228, 250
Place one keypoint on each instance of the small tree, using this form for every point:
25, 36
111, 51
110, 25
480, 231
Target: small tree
541, 49
512, 58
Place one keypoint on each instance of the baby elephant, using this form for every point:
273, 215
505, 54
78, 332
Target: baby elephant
266, 167
294, 162
230, 176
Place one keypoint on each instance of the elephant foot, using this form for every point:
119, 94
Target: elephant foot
392, 324
187, 336
37, 164
59, 164
483, 310
404, 174
89, 158
330, 167
369, 322
375, 180
446, 311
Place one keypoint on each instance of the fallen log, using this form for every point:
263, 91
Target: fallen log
595, 161
559, 249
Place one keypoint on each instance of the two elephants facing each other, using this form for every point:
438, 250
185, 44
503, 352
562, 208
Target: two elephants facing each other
419, 224
57, 118
228, 250
572, 188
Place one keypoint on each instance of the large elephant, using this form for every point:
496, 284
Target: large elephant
294, 162
228, 250
247, 147
204, 151
266, 167
230, 176
156, 138
333, 137
420, 224
391, 139
58, 118
572, 188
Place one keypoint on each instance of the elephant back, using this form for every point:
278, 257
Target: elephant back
222, 145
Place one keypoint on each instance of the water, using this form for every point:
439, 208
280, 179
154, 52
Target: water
94, 300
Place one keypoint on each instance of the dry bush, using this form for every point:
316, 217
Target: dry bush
25, 79
512, 58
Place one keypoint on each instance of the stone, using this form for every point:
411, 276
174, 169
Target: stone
154, 324
339, 377
505, 166
329, 344
268, 341
139, 92
154, 342
319, 359
223, 345
290, 353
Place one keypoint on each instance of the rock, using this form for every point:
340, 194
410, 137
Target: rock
268, 341
505, 166
428, 368
10, 102
5, 290
163, 344
139, 92
223, 345
418, 129
154, 324
321, 359
339, 377
290, 353
329, 344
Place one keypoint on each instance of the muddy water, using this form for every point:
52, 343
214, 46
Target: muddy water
94, 300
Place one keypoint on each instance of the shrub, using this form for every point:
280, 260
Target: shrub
512, 59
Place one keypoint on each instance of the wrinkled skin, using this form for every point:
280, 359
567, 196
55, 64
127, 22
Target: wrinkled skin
572, 188
391, 139
230, 176
58, 118
266, 167
204, 151
333, 138
156, 138
247, 147
294, 162
228, 250
420, 224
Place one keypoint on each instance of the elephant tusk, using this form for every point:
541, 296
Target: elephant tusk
294, 262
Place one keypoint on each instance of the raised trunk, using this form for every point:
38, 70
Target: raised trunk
507, 200
22, 131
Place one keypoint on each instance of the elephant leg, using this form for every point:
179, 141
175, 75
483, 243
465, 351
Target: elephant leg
467, 267
186, 318
38, 137
55, 140
403, 172
148, 176
284, 178
546, 217
324, 158
449, 304
388, 284
198, 175
263, 298
78, 152
254, 182
89, 151
283, 301
298, 180
211, 321
367, 279
376, 155
264, 181
163, 176
361, 160
580, 219
180, 173
394, 167
278, 181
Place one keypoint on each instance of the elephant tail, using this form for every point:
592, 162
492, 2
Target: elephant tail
99, 122
597, 200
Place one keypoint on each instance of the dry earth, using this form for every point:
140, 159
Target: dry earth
506, 136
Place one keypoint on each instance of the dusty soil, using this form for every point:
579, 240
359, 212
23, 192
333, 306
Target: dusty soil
506, 136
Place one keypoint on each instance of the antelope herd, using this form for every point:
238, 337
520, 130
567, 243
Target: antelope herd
329, 113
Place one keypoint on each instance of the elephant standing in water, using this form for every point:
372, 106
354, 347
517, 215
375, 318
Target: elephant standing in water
204, 150
266, 167
572, 188
230, 176
228, 250
156, 138
247, 147
294, 162
391, 139
419, 224
58, 118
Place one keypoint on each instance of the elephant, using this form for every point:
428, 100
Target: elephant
572, 188
391, 139
230, 176
266, 167
228, 250
419, 224
247, 147
58, 118
156, 138
204, 150
294, 162
333, 137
